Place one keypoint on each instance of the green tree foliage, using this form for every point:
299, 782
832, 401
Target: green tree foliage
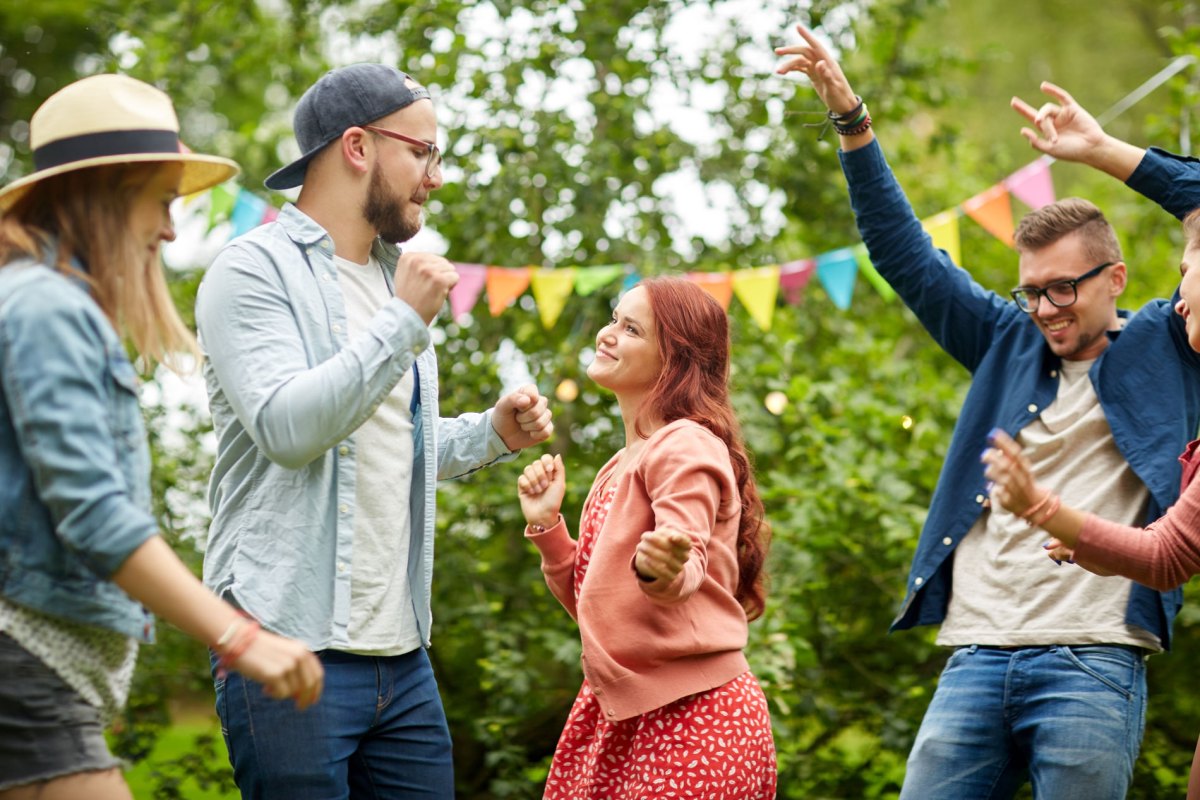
560, 130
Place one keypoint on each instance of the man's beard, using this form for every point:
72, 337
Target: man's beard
384, 212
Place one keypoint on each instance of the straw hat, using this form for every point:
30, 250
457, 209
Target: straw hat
111, 119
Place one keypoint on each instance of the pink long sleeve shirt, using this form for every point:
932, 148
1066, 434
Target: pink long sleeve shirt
1162, 555
648, 644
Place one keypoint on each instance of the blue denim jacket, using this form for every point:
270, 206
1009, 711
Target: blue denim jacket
288, 389
74, 464
1147, 379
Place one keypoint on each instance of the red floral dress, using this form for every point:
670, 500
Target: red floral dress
714, 745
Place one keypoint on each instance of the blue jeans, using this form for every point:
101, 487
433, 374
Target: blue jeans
1070, 719
379, 731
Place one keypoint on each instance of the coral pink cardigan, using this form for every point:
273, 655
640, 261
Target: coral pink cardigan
648, 644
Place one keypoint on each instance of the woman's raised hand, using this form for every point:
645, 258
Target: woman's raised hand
541, 488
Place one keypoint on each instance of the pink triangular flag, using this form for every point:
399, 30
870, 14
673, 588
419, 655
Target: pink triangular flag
1032, 184
465, 293
794, 276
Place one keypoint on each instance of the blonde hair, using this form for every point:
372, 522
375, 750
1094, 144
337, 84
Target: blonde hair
85, 214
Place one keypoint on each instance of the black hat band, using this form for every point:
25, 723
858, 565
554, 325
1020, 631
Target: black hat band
105, 143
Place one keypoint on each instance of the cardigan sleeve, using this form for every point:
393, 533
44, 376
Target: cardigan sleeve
1162, 556
558, 562
685, 473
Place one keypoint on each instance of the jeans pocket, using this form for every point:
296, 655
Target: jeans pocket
1115, 667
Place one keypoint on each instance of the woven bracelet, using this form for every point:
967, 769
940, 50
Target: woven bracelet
849, 115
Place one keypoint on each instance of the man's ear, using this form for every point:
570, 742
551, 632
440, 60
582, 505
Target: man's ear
1117, 278
354, 147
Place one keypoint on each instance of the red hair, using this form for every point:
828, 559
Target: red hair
693, 345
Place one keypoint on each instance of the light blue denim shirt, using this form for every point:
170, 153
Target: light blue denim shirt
288, 389
74, 464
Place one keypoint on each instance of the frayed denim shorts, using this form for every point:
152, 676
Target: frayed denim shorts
47, 730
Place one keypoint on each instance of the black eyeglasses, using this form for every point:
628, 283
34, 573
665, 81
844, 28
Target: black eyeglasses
433, 162
1060, 293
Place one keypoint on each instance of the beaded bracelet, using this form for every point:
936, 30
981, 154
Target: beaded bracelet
861, 127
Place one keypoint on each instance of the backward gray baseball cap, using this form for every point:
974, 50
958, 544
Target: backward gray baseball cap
357, 94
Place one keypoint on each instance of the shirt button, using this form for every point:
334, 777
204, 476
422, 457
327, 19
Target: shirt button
612, 713
597, 692
979, 498
947, 541
343, 508
343, 450
918, 581
1033, 408
341, 566
337, 328
1053, 373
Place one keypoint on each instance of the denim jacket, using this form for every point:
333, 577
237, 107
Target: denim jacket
1147, 379
288, 389
74, 463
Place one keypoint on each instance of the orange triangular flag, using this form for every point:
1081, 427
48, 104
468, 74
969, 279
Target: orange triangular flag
718, 284
992, 209
504, 285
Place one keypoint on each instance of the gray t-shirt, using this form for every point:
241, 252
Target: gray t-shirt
1006, 592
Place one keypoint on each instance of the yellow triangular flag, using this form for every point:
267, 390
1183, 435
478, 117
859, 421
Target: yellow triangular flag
504, 285
551, 288
757, 289
943, 229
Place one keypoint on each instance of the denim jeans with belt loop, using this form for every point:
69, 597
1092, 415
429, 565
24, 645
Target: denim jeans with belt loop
1067, 718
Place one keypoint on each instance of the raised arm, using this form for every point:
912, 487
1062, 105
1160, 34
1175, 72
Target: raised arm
1065, 130
959, 313
831, 86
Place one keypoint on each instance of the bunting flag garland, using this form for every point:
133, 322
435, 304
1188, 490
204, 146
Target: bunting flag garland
551, 288
943, 229
757, 289
794, 276
837, 271
504, 286
717, 284
1032, 184
993, 211
464, 295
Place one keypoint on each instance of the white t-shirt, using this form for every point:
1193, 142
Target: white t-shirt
382, 619
1006, 591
